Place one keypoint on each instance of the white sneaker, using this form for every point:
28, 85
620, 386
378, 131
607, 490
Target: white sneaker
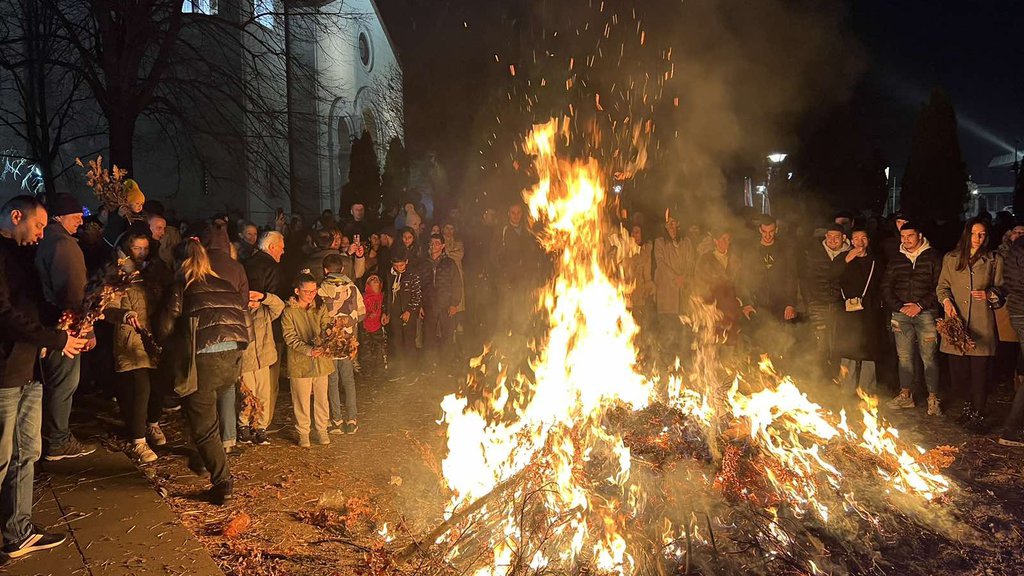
142, 453
155, 436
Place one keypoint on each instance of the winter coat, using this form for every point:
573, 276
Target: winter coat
715, 282
768, 278
1013, 277
142, 300
341, 297
300, 327
515, 257
262, 351
672, 261
60, 264
912, 278
218, 247
403, 293
216, 307
442, 286
21, 333
457, 251
264, 275
374, 302
820, 274
985, 274
859, 334
639, 270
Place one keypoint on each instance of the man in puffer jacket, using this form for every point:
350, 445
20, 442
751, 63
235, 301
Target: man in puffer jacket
344, 303
820, 287
908, 291
442, 293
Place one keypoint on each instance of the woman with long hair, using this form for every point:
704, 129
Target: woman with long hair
208, 318
135, 359
970, 287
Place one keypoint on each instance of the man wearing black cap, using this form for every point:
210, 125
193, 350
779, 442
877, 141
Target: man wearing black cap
60, 264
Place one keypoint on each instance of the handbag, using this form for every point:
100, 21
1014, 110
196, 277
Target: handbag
857, 304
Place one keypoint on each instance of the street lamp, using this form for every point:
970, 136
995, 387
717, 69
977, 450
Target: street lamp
774, 159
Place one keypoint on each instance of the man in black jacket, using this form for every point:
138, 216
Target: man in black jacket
442, 292
403, 296
820, 288
22, 221
908, 291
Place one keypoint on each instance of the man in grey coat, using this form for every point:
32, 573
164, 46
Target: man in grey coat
60, 264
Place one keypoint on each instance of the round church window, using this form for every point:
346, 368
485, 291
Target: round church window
365, 56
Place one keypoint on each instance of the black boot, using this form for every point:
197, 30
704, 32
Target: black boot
222, 492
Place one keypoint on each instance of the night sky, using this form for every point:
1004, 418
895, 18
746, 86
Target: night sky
972, 49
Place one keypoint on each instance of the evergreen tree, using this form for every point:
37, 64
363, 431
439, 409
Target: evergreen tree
363, 184
395, 180
935, 183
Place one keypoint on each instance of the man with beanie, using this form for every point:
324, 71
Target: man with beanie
22, 339
117, 222
60, 265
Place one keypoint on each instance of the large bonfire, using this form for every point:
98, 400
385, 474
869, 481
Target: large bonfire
585, 464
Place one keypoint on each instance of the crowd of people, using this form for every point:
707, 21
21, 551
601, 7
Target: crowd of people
219, 313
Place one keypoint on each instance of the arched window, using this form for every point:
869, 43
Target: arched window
208, 7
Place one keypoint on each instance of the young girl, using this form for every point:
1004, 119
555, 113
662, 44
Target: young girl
303, 320
371, 334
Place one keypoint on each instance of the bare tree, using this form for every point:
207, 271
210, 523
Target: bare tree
214, 83
39, 101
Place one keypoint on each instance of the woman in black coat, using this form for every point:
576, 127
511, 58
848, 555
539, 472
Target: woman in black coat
859, 334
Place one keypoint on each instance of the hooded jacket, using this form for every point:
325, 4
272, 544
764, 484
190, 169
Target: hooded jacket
912, 277
403, 293
301, 327
341, 297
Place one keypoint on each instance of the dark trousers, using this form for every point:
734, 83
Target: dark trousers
822, 318
402, 338
1015, 418
139, 402
217, 373
970, 375
371, 352
439, 337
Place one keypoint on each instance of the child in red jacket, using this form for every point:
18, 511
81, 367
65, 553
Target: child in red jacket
372, 340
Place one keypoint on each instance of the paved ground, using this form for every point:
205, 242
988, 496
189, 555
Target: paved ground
117, 523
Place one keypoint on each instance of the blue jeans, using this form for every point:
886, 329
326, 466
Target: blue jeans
20, 446
60, 380
345, 372
227, 413
917, 334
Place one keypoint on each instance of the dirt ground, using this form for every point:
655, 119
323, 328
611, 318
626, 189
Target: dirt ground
319, 511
